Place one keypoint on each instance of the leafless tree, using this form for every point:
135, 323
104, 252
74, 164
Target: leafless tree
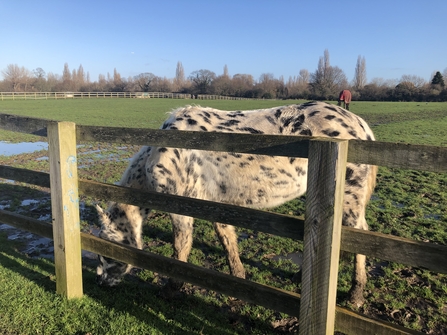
101, 85
298, 87
267, 85
17, 78
80, 76
12, 76
144, 81
202, 80
225, 72
380, 82
179, 80
39, 73
159, 84
241, 84
417, 82
40, 82
327, 80
67, 79
360, 73
304, 77
53, 81
221, 85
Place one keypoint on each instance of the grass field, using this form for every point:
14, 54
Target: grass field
410, 204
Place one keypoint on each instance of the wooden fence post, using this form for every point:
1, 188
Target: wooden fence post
322, 234
65, 208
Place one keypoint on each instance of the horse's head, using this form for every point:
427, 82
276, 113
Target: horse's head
116, 227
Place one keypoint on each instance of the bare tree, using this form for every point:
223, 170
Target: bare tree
298, 87
144, 81
327, 80
267, 85
319, 79
222, 86
417, 82
225, 72
202, 80
17, 78
304, 77
117, 84
67, 79
360, 73
101, 85
241, 84
39, 73
80, 76
388, 83
159, 84
40, 83
179, 80
53, 81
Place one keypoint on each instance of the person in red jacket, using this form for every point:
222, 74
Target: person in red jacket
345, 97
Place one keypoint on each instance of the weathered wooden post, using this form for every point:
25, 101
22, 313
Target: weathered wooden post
65, 208
322, 234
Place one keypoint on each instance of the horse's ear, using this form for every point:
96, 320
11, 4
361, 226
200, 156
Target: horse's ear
99, 210
103, 217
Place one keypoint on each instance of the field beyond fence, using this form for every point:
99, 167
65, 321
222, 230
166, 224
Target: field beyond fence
426, 255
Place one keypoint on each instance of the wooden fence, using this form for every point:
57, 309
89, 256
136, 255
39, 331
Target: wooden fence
316, 307
96, 95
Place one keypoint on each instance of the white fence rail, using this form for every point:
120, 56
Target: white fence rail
95, 95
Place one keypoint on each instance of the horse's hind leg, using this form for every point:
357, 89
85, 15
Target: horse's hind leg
182, 227
228, 238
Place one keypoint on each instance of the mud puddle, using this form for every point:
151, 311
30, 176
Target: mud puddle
36, 246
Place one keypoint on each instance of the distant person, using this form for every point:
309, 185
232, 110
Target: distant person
345, 97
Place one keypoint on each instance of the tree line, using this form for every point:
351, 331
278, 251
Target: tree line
324, 83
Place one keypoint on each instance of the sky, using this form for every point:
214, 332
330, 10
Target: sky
279, 37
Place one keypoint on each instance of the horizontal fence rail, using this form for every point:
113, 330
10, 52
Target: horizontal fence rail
97, 95
387, 247
396, 155
270, 297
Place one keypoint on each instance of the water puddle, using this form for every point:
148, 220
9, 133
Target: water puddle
10, 149
37, 246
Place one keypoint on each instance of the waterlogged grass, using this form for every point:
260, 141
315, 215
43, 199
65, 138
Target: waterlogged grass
410, 204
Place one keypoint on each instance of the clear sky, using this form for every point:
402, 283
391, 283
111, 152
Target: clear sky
281, 37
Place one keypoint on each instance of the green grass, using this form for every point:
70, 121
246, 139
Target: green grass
29, 305
137, 113
410, 204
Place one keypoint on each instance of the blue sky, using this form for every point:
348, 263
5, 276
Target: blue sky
396, 37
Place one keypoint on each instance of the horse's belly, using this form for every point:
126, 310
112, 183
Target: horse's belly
259, 184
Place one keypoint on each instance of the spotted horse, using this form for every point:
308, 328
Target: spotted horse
248, 180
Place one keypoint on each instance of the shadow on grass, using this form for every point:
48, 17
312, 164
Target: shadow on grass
141, 301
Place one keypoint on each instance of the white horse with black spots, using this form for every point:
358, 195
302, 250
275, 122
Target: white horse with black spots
255, 181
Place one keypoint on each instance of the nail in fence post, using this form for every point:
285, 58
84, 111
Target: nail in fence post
65, 208
322, 234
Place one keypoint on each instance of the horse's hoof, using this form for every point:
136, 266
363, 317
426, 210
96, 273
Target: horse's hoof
297, 277
356, 297
171, 289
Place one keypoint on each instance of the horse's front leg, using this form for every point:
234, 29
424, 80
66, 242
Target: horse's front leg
228, 238
182, 227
